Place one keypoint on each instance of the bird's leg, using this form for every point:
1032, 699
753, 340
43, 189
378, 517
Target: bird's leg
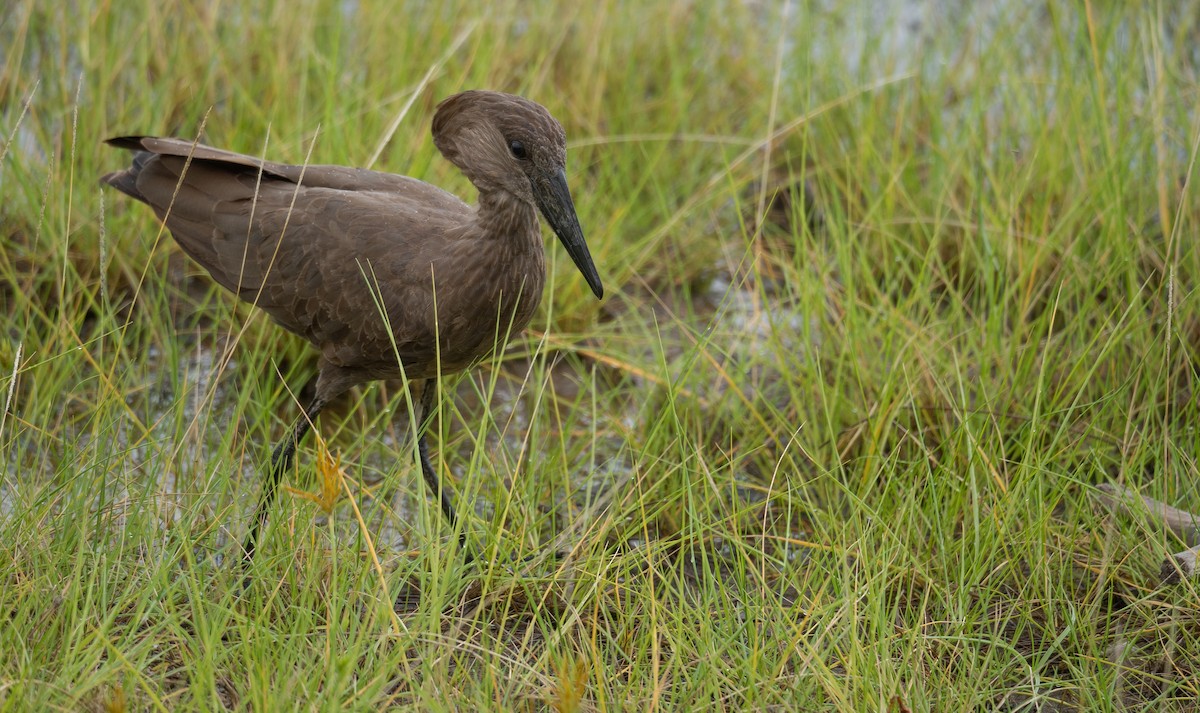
280, 460
440, 490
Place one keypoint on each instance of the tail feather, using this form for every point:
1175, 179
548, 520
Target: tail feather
126, 181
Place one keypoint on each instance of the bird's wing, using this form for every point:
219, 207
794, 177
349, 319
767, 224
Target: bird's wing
319, 248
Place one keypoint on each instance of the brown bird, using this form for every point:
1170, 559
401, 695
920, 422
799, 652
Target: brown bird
387, 276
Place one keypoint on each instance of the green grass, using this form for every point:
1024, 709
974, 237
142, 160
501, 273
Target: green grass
881, 316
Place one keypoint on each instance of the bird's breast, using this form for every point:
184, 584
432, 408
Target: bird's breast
485, 306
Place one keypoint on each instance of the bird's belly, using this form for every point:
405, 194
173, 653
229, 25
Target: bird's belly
420, 346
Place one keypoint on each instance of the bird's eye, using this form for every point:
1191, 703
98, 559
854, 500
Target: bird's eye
518, 150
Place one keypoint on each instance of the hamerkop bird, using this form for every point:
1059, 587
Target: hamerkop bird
387, 276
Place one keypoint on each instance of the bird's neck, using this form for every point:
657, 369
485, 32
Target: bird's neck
515, 259
502, 216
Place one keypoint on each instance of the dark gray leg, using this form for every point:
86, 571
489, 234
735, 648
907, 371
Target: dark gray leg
440, 490
280, 460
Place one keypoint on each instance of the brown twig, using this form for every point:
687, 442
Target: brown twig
1185, 525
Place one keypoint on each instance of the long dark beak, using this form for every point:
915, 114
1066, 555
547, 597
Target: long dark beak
554, 199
